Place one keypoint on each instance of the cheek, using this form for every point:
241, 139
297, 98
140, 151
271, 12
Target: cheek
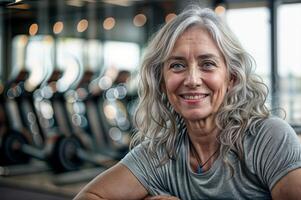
218, 85
218, 82
171, 84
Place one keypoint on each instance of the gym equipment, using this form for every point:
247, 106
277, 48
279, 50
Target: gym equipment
100, 112
60, 146
18, 147
115, 106
11, 136
56, 97
88, 121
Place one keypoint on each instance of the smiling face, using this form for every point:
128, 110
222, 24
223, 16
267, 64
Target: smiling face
195, 75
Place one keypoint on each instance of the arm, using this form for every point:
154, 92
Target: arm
288, 187
116, 183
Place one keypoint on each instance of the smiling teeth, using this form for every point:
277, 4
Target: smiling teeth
194, 97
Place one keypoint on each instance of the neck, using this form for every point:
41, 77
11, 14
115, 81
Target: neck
203, 135
203, 143
202, 160
204, 126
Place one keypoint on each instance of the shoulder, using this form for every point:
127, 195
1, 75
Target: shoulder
144, 154
272, 150
148, 168
274, 129
276, 123
272, 136
153, 153
158, 148
140, 161
141, 150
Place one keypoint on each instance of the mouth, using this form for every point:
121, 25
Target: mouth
194, 96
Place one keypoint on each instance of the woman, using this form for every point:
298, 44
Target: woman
203, 129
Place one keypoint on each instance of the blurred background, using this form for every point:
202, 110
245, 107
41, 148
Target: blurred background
68, 80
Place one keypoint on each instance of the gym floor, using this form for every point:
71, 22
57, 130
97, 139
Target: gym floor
44, 184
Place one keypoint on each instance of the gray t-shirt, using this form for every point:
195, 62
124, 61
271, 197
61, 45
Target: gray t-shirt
269, 155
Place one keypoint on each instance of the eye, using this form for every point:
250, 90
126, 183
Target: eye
177, 67
208, 65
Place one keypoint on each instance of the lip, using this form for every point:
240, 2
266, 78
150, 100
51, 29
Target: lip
193, 97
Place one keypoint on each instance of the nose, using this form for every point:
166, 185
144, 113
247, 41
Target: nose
193, 77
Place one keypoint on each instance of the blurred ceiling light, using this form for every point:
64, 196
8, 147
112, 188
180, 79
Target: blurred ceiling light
220, 10
139, 20
109, 23
75, 3
119, 2
82, 25
33, 29
58, 27
169, 17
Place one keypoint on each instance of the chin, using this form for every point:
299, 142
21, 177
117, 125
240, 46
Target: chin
195, 116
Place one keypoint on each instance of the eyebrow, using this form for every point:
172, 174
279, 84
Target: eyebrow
206, 56
202, 57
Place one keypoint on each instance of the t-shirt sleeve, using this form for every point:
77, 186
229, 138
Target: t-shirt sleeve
277, 151
146, 169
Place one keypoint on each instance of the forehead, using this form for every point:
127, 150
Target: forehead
195, 34
197, 40
194, 31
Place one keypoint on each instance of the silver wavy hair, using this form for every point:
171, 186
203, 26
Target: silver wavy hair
242, 109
